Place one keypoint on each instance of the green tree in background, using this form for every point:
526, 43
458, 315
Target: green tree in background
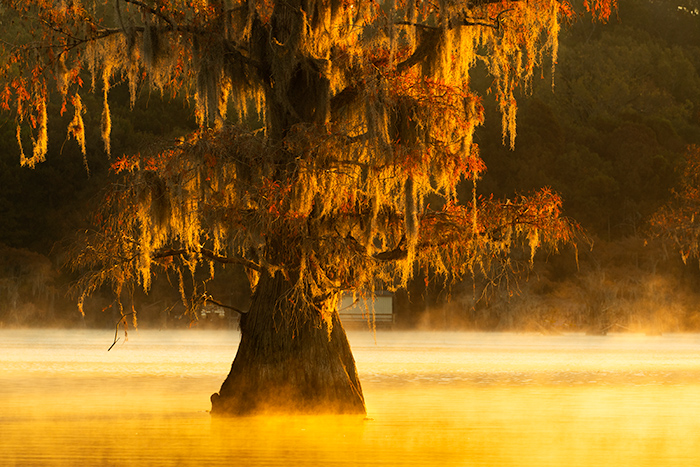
609, 135
679, 219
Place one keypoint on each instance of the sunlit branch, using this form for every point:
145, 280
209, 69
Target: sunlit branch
233, 50
432, 33
478, 3
425, 48
167, 253
494, 22
490, 23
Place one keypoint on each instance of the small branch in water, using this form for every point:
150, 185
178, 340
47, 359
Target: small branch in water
116, 330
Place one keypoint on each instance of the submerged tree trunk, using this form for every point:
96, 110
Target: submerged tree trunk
288, 362
290, 359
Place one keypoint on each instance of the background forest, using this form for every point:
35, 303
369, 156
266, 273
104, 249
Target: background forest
608, 132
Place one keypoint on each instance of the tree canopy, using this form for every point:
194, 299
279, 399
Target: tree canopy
370, 103
333, 135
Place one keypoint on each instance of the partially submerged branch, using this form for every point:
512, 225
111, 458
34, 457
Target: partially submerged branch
116, 330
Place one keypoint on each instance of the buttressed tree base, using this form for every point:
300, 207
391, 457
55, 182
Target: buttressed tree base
360, 112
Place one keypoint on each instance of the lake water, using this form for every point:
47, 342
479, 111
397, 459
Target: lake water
433, 399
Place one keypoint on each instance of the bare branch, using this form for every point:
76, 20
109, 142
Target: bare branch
166, 253
224, 259
116, 330
397, 253
431, 34
152, 11
218, 303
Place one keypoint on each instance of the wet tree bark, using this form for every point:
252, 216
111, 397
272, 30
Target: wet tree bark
288, 362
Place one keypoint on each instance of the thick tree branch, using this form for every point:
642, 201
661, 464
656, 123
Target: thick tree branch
427, 45
218, 303
226, 260
152, 11
166, 253
343, 99
431, 34
397, 253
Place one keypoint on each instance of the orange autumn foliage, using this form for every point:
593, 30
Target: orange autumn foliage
367, 115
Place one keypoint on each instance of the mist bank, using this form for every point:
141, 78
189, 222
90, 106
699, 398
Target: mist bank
627, 285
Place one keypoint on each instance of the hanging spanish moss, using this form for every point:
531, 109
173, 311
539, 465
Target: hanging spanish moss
150, 46
346, 117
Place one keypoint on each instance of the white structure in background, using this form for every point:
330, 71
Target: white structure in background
360, 310
213, 317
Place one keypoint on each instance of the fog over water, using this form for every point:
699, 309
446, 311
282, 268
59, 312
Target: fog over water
433, 398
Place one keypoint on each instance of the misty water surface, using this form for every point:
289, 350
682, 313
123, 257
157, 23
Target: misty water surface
447, 399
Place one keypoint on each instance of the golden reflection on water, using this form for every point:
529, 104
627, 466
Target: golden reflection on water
445, 399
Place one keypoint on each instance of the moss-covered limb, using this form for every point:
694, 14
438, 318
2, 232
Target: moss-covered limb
206, 253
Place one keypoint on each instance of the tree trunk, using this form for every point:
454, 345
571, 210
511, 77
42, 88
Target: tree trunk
288, 362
